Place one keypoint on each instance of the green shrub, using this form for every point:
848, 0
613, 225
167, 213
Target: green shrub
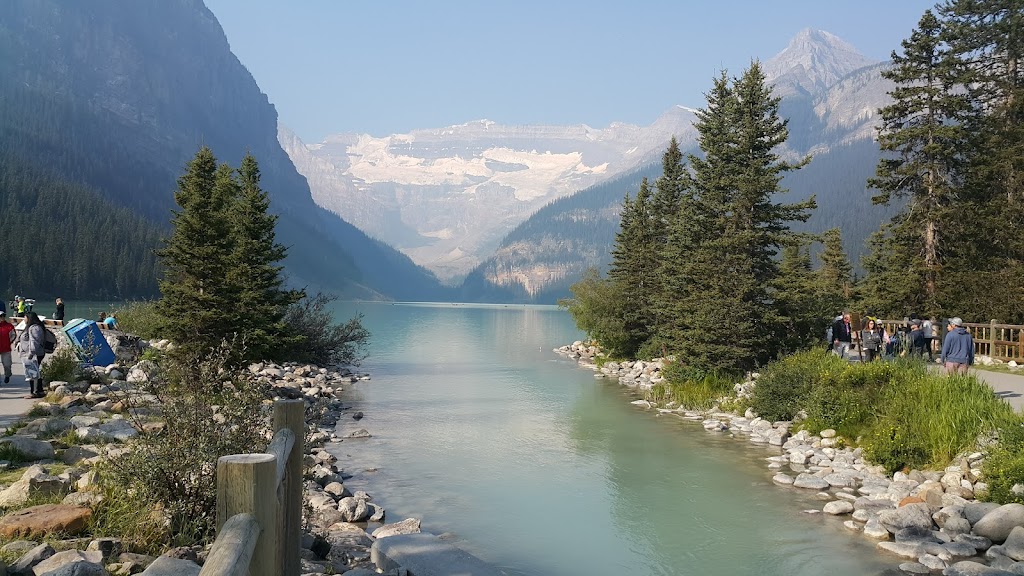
321, 341
63, 366
139, 318
927, 419
785, 386
1004, 467
690, 387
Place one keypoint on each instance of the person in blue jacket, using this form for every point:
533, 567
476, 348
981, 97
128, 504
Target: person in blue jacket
957, 348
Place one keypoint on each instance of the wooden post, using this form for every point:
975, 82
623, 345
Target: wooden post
247, 484
231, 554
291, 415
1020, 344
992, 339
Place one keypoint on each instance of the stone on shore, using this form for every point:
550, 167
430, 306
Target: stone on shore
969, 568
45, 519
167, 566
805, 480
407, 526
66, 563
997, 524
838, 507
28, 560
354, 509
912, 515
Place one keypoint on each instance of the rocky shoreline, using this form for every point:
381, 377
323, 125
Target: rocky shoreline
49, 538
930, 518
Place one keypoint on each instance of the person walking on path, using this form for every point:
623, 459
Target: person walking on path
30, 347
58, 314
957, 348
7, 337
928, 329
842, 335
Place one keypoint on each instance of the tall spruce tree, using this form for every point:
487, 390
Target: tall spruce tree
986, 39
835, 275
198, 296
799, 302
256, 270
923, 132
632, 271
737, 228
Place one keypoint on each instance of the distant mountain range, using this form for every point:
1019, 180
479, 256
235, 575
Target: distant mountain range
524, 209
116, 96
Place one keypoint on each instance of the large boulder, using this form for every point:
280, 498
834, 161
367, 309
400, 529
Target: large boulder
354, 509
1014, 546
407, 526
975, 511
166, 566
915, 515
997, 524
71, 563
970, 568
29, 559
32, 449
45, 519
34, 482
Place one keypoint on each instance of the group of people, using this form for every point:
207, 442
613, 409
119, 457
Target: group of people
21, 306
917, 338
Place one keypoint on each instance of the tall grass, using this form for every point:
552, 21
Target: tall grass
689, 388
140, 318
903, 414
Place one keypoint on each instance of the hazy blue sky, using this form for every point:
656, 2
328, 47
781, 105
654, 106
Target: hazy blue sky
382, 66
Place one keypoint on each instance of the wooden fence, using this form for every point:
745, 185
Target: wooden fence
259, 503
998, 341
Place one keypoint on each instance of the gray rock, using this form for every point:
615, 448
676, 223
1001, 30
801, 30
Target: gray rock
912, 515
956, 526
975, 511
354, 509
376, 513
958, 550
784, 479
914, 534
164, 566
874, 529
75, 454
914, 568
361, 433
979, 542
997, 524
32, 449
838, 507
969, 568
1014, 546
932, 562
812, 482
905, 549
29, 559
66, 564
407, 526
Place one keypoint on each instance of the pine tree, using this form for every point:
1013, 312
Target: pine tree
802, 311
923, 131
198, 299
256, 271
835, 275
634, 265
734, 228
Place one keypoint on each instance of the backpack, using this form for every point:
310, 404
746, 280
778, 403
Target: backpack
49, 341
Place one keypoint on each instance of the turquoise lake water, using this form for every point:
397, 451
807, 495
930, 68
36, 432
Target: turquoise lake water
531, 463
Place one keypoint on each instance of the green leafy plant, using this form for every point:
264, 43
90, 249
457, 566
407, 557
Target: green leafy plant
62, 366
1004, 468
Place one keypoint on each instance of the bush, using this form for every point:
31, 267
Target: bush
320, 341
690, 387
62, 366
927, 419
139, 318
208, 412
1004, 467
784, 388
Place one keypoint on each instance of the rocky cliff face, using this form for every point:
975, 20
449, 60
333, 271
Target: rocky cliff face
135, 87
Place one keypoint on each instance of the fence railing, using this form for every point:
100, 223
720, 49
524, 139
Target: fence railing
259, 503
998, 341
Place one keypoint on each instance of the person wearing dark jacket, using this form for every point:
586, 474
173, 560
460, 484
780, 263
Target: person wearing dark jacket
31, 348
957, 348
916, 338
58, 314
842, 335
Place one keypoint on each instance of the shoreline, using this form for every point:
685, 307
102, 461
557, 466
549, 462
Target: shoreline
929, 518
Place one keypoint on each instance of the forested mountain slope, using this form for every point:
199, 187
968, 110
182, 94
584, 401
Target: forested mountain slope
117, 95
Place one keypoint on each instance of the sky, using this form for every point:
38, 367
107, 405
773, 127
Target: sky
390, 66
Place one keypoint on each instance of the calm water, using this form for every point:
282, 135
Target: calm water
533, 464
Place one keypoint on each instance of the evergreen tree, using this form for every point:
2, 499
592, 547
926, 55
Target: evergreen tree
736, 228
198, 295
835, 275
634, 265
923, 131
256, 272
802, 310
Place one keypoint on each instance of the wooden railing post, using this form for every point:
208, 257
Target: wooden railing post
247, 484
291, 415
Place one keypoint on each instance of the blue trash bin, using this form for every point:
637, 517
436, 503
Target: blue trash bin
89, 342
